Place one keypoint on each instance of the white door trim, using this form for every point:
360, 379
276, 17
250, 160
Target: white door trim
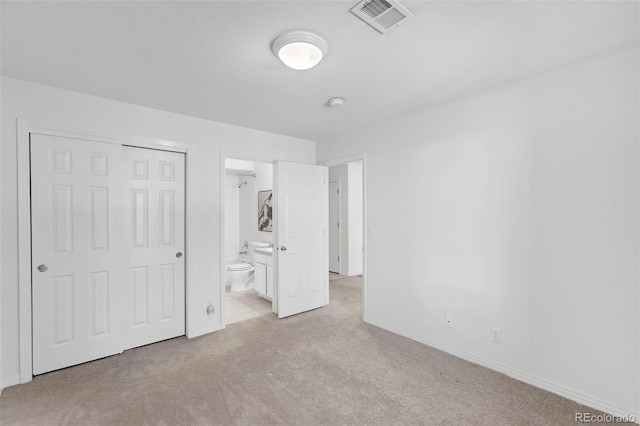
338, 162
222, 265
25, 128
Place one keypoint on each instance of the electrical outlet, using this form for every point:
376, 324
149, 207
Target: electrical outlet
496, 335
448, 320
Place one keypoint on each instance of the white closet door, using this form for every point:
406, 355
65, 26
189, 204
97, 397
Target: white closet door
76, 251
154, 304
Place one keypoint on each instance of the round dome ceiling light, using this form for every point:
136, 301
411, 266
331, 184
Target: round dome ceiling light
300, 50
335, 102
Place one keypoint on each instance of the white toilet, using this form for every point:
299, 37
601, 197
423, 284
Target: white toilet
240, 275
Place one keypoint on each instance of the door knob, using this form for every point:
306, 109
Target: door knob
42, 268
283, 248
178, 255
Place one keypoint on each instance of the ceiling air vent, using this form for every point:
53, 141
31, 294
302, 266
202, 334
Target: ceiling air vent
382, 15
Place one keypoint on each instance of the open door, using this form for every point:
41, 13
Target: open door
301, 218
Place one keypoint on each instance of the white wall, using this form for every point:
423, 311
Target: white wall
231, 219
515, 208
205, 141
248, 207
264, 182
247, 211
341, 174
238, 165
355, 208
1, 374
241, 209
351, 214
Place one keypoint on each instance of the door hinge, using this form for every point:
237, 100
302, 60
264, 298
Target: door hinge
338, 258
338, 190
338, 224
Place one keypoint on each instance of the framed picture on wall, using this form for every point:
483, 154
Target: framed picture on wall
265, 211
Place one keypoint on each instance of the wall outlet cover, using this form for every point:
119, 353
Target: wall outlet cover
448, 320
496, 335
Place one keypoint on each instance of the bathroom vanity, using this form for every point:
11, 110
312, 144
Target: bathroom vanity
264, 279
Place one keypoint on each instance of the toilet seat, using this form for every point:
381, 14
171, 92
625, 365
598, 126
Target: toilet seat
239, 267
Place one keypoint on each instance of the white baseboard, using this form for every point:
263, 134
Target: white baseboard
202, 332
9, 381
558, 389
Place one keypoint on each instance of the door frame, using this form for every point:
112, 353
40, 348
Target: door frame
339, 162
25, 128
339, 181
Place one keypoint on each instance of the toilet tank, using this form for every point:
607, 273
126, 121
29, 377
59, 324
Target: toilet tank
254, 245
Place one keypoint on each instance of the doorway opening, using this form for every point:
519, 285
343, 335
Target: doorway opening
347, 245
286, 238
248, 240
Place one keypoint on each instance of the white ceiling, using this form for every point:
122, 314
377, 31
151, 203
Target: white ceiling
213, 59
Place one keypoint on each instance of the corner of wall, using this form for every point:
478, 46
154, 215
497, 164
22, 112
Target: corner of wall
523, 376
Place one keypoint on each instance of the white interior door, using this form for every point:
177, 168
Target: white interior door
154, 303
334, 226
77, 264
301, 211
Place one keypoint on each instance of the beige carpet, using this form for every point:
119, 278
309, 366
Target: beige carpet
323, 367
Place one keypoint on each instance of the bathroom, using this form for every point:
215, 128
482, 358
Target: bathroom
248, 239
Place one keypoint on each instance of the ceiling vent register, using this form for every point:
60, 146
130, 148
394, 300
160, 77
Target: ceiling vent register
382, 15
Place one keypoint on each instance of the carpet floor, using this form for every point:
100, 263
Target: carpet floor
324, 367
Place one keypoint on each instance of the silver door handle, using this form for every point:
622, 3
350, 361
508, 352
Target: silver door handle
178, 255
283, 248
42, 268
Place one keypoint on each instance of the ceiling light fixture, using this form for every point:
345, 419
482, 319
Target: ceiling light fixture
335, 102
300, 50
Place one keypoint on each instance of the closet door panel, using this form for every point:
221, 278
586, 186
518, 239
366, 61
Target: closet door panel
154, 233
77, 260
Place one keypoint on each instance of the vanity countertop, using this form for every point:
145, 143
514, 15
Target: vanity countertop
267, 251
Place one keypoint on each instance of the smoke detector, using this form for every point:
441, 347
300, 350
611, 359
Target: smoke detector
382, 15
